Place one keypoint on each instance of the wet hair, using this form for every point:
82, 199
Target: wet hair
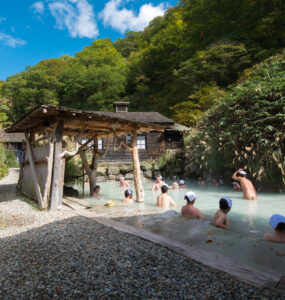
164, 188
96, 187
128, 192
280, 226
224, 204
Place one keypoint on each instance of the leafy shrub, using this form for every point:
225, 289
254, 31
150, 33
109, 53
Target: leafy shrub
246, 129
3, 166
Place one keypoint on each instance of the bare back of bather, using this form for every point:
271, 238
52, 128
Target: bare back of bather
164, 201
249, 192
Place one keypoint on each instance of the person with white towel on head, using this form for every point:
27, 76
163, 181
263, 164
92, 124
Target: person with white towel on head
249, 192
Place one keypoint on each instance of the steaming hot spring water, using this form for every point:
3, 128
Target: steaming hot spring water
248, 221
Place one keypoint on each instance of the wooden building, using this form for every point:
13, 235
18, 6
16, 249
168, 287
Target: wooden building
150, 144
45, 127
13, 141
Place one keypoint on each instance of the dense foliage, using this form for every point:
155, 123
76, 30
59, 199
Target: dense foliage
246, 129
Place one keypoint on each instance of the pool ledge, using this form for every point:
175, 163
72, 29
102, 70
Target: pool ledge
244, 273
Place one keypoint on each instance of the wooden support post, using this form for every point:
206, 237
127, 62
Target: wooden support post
89, 171
33, 172
137, 169
49, 174
57, 165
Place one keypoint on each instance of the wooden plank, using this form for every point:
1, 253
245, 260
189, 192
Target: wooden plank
33, 172
36, 162
56, 177
71, 204
81, 202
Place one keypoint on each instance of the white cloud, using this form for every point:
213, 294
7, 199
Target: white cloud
10, 41
38, 7
75, 15
125, 19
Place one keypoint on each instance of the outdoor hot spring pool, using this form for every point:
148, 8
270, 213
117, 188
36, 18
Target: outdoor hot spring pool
248, 221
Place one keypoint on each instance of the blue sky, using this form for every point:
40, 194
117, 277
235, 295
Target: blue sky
31, 31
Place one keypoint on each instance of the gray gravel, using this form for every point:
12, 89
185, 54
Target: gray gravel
64, 256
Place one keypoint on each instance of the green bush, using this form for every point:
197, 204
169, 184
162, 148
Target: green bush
246, 129
73, 171
3, 166
11, 159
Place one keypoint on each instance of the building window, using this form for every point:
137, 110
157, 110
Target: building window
100, 144
140, 142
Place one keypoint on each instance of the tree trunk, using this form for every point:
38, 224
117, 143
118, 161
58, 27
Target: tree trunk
57, 166
46, 196
137, 170
90, 172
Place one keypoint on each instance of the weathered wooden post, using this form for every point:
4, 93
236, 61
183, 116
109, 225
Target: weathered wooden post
33, 172
137, 169
46, 195
56, 192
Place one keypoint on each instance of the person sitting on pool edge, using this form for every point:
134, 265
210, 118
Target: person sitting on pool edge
182, 184
189, 210
175, 185
158, 183
96, 191
278, 223
123, 182
163, 200
220, 219
128, 196
249, 192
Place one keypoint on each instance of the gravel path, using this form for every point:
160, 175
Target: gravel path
65, 256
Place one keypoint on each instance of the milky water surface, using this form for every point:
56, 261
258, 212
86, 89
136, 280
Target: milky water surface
248, 221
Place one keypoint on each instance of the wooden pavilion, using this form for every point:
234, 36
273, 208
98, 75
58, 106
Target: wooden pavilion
42, 170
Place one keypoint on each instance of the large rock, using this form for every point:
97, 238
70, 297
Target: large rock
126, 169
113, 171
118, 177
145, 166
100, 178
112, 177
147, 174
129, 176
101, 171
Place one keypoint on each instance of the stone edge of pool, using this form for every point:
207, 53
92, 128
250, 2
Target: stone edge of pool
216, 261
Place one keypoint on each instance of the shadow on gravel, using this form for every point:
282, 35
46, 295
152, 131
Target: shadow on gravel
77, 258
8, 192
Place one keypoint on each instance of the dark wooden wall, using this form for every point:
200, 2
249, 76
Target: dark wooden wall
156, 144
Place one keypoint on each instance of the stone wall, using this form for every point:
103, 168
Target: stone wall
115, 172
